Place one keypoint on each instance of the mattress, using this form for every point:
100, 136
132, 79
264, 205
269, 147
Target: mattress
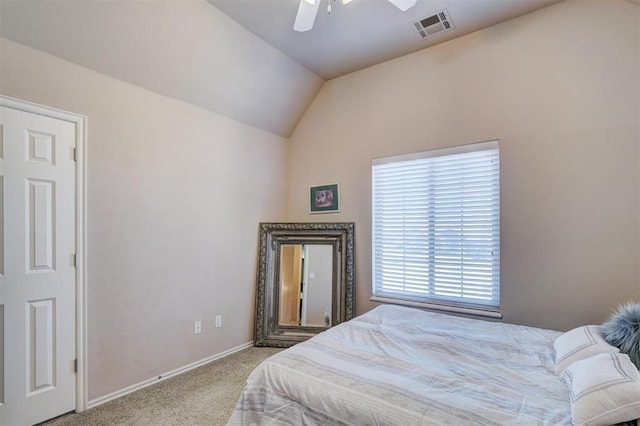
402, 366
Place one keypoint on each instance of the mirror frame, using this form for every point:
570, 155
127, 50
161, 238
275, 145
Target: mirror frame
268, 331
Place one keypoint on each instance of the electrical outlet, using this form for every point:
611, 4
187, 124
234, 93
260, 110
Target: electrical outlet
197, 327
218, 321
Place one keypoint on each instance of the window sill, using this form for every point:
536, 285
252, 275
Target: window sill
436, 307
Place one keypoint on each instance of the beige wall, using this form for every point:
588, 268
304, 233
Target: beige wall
175, 194
559, 88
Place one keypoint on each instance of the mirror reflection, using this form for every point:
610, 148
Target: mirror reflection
305, 280
305, 288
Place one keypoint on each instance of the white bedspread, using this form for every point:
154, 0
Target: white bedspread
402, 366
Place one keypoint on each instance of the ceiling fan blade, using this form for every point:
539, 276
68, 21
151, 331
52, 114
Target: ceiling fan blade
403, 5
306, 16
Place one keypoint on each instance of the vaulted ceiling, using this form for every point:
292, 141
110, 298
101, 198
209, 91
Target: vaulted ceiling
239, 58
365, 32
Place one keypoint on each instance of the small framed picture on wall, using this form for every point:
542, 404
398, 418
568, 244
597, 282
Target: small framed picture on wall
324, 199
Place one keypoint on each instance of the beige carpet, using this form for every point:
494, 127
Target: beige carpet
204, 396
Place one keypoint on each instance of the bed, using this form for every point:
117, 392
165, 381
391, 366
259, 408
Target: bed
404, 366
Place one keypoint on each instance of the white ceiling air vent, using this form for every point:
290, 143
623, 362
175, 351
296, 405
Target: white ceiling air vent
435, 24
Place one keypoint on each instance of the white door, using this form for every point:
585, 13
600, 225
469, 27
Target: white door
319, 284
37, 273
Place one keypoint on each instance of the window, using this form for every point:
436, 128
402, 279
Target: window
436, 228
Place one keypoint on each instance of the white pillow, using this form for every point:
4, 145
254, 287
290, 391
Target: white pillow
579, 343
605, 389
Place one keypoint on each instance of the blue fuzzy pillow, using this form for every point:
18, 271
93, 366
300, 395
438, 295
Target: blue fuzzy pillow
623, 331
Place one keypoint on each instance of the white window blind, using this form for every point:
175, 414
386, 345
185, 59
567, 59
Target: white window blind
436, 227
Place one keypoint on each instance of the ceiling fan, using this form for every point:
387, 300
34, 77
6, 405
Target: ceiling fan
308, 9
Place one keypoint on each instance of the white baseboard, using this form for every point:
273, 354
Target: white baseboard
122, 392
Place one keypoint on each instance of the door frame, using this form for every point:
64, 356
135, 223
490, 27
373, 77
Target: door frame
80, 122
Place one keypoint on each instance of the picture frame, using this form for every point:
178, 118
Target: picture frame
324, 198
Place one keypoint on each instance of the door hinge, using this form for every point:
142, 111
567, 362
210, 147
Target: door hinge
75, 260
75, 154
75, 365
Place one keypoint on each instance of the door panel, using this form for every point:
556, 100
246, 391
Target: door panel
41, 350
38, 283
40, 211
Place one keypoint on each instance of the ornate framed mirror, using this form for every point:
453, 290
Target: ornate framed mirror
305, 280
